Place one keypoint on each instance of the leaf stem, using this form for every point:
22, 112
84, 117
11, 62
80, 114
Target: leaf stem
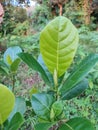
13, 83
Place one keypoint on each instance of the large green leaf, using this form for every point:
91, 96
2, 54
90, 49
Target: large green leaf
79, 73
58, 44
20, 106
43, 126
10, 54
15, 122
77, 124
32, 63
41, 104
75, 91
7, 100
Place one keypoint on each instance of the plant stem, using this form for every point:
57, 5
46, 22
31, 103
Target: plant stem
13, 83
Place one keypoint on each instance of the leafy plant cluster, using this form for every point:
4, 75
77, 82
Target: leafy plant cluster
89, 39
74, 12
41, 16
13, 15
58, 44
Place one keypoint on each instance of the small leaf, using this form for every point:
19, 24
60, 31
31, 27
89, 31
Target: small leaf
77, 124
14, 65
16, 122
33, 90
7, 100
75, 91
57, 108
20, 106
41, 104
58, 44
32, 63
8, 59
79, 72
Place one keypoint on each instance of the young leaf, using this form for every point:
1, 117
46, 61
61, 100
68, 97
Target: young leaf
41, 104
75, 91
77, 124
15, 122
32, 63
56, 109
7, 100
20, 106
43, 126
58, 44
79, 73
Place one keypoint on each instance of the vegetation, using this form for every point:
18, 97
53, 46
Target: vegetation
48, 68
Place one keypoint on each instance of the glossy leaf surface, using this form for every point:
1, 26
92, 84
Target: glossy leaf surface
58, 44
7, 100
41, 104
75, 91
77, 124
79, 72
15, 122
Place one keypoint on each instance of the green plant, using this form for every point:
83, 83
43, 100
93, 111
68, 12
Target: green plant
10, 63
73, 11
89, 39
58, 44
11, 112
5, 106
7, 101
41, 16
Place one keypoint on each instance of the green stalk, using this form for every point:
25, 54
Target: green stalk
13, 83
